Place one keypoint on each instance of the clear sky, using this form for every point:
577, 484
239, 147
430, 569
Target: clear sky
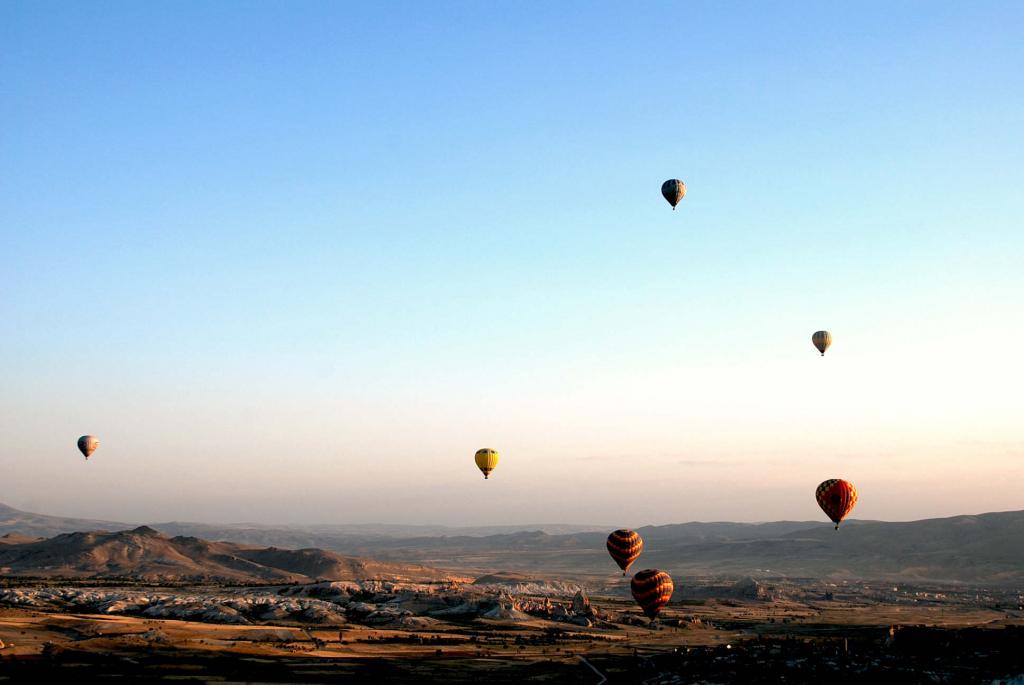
297, 261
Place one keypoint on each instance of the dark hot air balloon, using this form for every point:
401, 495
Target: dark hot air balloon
821, 340
87, 444
651, 589
674, 191
836, 498
625, 546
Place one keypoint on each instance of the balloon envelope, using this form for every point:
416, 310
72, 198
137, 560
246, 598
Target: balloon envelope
821, 340
625, 546
836, 498
652, 589
486, 460
673, 191
87, 444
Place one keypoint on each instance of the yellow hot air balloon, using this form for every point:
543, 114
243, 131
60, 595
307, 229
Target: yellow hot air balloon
486, 460
821, 340
87, 444
673, 190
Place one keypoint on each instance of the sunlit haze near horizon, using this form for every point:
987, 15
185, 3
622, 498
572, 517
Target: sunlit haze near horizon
296, 262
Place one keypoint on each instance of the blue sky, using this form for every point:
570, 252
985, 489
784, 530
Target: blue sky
297, 261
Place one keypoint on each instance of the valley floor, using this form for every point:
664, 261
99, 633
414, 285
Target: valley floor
712, 641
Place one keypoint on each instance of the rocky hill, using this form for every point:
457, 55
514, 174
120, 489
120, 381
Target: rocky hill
145, 554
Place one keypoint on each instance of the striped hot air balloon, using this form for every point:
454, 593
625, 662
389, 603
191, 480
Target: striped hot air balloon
821, 340
673, 191
836, 498
652, 589
486, 460
625, 546
87, 444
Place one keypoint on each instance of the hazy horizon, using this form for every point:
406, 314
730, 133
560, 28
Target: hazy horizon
525, 525
297, 263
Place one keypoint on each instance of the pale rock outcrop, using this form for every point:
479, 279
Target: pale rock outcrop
360, 609
385, 616
464, 608
749, 588
506, 608
581, 603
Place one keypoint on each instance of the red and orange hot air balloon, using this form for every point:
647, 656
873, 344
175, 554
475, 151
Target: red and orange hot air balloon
651, 589
625, 546
836, 498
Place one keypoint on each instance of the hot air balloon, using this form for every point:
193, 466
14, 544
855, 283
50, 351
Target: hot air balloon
87, 444
821, 340
625, 546
836, 498
674, 190
651, 589
486, 460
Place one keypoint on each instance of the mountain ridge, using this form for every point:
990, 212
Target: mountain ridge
145, 554
967, 548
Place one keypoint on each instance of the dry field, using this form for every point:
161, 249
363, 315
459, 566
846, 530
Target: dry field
133, 649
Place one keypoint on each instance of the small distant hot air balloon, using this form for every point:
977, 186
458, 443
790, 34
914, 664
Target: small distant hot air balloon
651, 589
87, 444
625, 546
821, 340
674, 191
486, 460
836, 498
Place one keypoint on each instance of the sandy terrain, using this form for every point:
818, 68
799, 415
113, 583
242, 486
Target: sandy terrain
504, 627
25, 632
